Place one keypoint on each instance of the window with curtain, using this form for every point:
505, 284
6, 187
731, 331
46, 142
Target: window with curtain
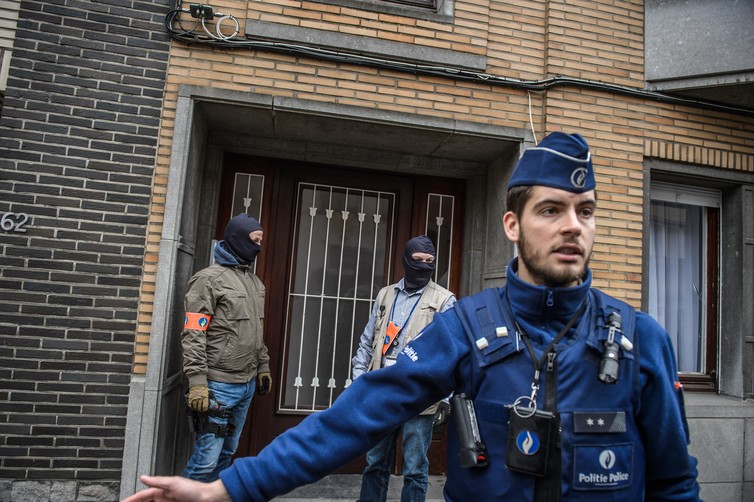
683, 272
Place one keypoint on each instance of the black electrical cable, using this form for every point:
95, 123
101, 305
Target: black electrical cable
173, 16
190, 37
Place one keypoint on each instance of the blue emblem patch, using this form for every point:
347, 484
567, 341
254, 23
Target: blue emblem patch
603, 467
527, 442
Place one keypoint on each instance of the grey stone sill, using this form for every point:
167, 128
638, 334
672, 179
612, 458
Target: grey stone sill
366, 46
709, 405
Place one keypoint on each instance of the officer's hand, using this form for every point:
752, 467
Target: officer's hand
171, 488
264, 383
198, 398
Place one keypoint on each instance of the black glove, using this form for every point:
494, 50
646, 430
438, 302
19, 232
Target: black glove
264, 383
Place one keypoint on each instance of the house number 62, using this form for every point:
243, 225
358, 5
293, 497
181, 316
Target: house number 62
14, 222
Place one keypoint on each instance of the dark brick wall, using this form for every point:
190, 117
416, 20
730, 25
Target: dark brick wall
78, 139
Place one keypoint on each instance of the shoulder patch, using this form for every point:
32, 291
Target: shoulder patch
196, 321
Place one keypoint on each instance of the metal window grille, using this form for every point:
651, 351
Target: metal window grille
247, 195
439, 228
341, 254
247, 199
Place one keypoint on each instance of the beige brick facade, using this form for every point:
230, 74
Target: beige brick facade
597, 41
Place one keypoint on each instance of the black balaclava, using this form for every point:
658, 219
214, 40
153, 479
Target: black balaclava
417, 273
237, 237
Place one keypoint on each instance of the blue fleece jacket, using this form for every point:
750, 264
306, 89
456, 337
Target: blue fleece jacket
436, 363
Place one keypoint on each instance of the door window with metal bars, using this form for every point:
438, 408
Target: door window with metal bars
341, 259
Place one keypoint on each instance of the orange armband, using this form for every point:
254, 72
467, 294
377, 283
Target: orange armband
196, 321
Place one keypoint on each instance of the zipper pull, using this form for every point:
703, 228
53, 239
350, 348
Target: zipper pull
551, 361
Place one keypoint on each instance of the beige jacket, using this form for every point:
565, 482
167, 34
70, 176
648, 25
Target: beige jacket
432, 300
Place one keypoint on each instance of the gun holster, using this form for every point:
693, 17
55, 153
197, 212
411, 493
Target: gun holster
200, 423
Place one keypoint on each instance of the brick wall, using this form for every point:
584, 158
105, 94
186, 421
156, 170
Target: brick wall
85, 145
599, 41
78, 139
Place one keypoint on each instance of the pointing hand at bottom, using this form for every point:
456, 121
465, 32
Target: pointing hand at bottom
176, 488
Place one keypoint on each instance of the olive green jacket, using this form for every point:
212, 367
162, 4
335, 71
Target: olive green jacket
232, 348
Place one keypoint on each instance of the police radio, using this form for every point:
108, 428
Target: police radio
472, 452
609, 364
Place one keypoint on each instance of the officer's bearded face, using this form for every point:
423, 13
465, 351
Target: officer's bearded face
554, 235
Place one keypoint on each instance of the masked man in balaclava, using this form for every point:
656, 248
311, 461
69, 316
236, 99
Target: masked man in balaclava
224, 356
400, 312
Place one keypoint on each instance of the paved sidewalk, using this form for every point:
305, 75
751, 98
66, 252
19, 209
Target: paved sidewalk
345, 487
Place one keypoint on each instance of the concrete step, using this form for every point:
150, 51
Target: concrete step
345, 487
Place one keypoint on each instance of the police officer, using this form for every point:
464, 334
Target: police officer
568, 385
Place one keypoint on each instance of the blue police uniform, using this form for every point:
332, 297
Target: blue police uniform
611, 447
649, 458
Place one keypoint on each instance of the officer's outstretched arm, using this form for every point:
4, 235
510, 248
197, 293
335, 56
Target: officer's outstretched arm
376, 402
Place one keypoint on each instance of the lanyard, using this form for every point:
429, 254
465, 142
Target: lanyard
548, 354
393, 331
395, 300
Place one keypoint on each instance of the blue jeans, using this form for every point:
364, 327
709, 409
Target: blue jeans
211, 453
417, 435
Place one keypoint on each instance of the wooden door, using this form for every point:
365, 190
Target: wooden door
333, 238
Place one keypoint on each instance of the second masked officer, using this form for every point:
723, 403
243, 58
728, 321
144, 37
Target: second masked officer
399, 313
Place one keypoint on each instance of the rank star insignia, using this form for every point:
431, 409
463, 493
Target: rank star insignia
599, 422
590, 422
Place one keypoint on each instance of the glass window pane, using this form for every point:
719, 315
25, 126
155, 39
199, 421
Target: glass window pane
247, 195
439, 228
247, 199
676, 278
